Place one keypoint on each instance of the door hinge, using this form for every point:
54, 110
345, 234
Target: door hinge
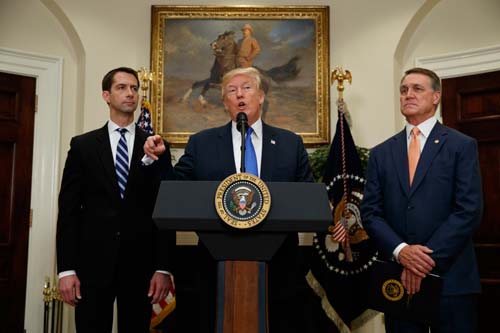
31, 217
36, 103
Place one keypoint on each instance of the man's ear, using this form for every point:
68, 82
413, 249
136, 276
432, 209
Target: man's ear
105, 96
262, 97
436, 97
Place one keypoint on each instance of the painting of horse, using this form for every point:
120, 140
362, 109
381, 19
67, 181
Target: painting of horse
225, 50
193, 48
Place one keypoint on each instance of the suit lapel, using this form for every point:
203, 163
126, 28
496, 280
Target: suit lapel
269, 143
106, 157
433, 144
400, 159
225, 151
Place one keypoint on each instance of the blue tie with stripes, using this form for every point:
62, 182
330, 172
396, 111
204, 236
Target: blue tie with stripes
250, 157
121, 163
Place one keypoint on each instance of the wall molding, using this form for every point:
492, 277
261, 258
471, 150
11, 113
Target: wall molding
468, 62
45, 175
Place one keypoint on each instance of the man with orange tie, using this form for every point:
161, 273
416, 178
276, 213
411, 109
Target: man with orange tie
422, 204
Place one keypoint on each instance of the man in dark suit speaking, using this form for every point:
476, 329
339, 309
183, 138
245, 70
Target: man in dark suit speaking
422, 203
214, 154
107, 244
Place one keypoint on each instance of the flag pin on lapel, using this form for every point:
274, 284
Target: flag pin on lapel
273, 142
436, 141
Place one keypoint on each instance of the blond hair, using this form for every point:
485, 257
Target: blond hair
252, 72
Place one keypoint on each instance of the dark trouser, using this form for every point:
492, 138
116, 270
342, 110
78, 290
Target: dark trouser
130, 285
458, 314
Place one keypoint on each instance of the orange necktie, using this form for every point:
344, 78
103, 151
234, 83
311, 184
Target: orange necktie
413, 152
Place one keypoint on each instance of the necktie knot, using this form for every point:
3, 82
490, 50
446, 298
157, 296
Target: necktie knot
415, 132
122, 131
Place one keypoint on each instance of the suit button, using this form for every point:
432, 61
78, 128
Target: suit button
117, 235
410, 207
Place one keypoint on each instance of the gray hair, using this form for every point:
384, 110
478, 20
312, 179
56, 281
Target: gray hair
435, 81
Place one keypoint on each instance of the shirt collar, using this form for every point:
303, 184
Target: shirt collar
424, 127
112, 126
257, 128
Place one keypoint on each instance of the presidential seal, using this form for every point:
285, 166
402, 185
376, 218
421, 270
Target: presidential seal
393, 290
242, 200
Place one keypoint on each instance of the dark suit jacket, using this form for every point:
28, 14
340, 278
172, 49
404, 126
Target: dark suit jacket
209, 156
95, 226
440, 210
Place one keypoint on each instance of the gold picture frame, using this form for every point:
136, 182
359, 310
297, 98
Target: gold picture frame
294, 55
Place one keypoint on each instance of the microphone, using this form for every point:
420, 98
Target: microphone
242, 122
242, 125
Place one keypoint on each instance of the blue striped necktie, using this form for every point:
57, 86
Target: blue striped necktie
250, 157
121, 163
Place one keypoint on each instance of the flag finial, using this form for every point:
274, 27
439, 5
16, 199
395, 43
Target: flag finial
144, 76
339, 75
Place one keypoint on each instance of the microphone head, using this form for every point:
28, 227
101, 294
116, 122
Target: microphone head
241, 121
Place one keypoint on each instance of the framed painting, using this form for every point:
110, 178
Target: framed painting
191, 47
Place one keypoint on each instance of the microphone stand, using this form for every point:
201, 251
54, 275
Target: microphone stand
243, 149
242, 126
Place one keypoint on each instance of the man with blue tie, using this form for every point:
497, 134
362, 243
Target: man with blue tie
279, 156
422, 204
107, 244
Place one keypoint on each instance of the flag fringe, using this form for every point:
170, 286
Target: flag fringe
164, 313
325, 304
330, 311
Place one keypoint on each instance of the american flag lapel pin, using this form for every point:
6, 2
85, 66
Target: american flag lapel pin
273, 142
436, 141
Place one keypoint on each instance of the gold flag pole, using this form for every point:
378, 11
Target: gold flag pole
339, 75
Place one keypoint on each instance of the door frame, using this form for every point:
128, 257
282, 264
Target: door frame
45, 175
466, 62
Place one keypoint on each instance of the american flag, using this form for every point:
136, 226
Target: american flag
144, 120
162, 309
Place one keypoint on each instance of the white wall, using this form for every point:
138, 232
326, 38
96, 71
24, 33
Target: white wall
375, 40
453, 26
28, 25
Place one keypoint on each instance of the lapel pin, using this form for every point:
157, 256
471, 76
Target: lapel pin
273, 142
436, 141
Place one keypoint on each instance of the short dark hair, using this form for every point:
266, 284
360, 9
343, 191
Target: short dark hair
435, 81
107, 80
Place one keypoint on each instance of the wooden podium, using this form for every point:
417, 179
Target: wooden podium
242, 254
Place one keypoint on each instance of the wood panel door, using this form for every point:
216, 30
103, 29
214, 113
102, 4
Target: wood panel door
471, 104
17, 110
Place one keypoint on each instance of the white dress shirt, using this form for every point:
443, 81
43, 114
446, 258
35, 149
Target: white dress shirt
114, 137
257, 140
